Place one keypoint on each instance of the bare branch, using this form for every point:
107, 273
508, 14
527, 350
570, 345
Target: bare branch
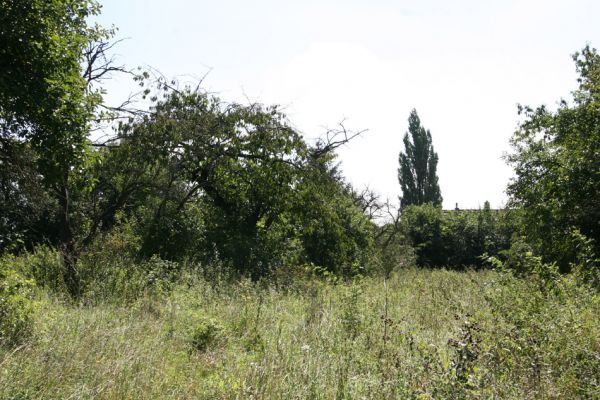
391, 227
369, 203
333, 139
98, 64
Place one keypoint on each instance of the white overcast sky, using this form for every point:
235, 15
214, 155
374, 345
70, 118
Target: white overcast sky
464, 65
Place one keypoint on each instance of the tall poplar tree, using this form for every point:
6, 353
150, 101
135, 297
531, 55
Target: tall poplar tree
418, 164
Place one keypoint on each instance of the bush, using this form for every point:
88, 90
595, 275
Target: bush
43, 266
126, 281
456, 238
519, 258
422, 225
205, 334
520, 261
546, 337
16, 304
111, 268
587, 266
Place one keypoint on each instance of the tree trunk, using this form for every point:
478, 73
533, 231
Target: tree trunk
67, 245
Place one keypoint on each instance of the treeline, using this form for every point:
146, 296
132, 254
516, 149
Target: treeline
191, 181
199, 180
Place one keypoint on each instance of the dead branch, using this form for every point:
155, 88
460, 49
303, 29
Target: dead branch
333, 139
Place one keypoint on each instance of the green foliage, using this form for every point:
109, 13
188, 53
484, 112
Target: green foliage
198, 189
205, 334
49, 61
193, 178
27, 211
44, 267
521, 261
396, 255
463, 237
555, 157
417, 173
351, 313
335, 234
44, 94
422, 225
527, 343
456, 238
16, 304
109, 271
587, 267
126, 281
205, 180
464, 376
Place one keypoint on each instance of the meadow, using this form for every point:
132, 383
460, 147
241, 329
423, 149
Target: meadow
421, 334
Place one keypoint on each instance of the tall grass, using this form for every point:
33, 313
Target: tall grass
445, 335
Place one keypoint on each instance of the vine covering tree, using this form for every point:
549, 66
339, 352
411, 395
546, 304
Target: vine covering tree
417, 173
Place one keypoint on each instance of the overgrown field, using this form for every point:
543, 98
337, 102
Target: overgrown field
446, 335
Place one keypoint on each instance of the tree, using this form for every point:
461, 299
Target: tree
47, 98
418, 164
335, 232
26, 208
556, 157
236, 164
205, 179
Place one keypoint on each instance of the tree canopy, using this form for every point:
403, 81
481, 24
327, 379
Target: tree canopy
556, 157
205, 178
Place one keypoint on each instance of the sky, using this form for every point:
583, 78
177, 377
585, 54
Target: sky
463, 65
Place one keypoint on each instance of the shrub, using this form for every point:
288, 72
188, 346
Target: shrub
587, 267
519, 258
16, 304
456, 238
205, 334
422, 225
520, 261
119, 280
45, 267
111, 268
